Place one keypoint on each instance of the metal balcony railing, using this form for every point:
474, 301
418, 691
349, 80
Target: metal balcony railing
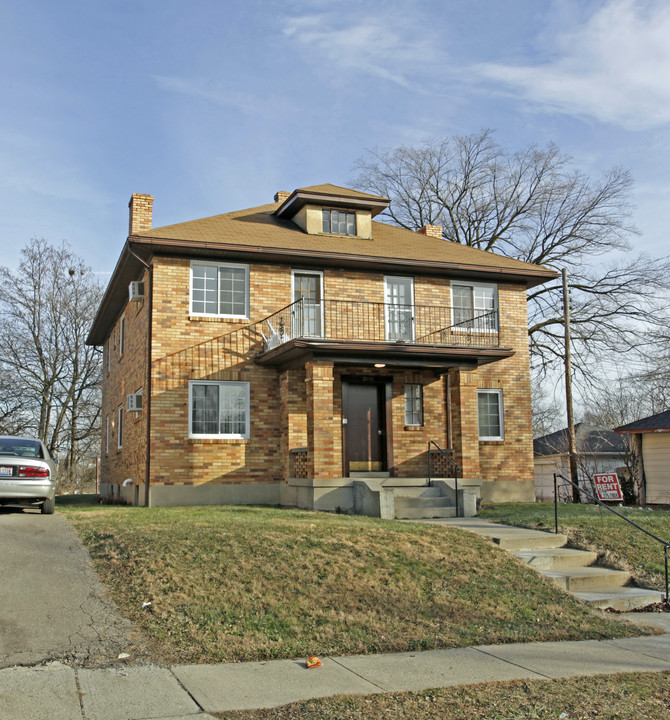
350, 320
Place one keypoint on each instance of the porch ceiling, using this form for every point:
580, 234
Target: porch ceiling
296, 352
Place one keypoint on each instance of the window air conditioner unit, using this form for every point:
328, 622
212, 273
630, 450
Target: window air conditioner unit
136, 290
134, 402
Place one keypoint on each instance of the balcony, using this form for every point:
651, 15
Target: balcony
388, 333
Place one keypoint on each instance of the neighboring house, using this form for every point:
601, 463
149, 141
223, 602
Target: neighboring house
598, 451
651, 440
282, 351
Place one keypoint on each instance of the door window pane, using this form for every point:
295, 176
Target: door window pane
399, 309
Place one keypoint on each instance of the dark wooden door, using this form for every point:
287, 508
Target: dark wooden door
364, 427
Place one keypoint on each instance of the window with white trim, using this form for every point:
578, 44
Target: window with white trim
220, 290
475, 307
122, 335
120, 428
218, 409
107, 436
339, 222
490, 414
413, 404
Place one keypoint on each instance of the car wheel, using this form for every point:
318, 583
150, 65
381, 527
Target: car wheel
48, 506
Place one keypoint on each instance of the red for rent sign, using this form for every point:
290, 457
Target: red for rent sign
607, 486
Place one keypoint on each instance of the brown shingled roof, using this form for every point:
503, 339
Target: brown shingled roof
259, 227
259, 233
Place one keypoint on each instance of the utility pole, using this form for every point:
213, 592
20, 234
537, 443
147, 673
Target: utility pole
572, 452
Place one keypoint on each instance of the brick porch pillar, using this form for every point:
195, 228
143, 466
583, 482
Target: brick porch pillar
322, 460
465, 423
284, 391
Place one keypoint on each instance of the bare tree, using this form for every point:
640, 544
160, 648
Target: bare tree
534, 206
46, 308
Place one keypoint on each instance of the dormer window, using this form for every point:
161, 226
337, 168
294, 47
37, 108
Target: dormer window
339, 222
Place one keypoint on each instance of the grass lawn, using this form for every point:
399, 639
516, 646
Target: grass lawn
640, 696
242, 583
590, 527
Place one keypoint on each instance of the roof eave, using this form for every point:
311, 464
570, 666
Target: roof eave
299, 198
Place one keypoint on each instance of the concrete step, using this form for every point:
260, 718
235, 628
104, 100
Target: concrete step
583, 579
621, 599
426, 512
557, 558
414, 492
519, 539
422, 502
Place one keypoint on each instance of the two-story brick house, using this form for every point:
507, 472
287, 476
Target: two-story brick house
283, 352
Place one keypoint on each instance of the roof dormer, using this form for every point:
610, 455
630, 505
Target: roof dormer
331, 210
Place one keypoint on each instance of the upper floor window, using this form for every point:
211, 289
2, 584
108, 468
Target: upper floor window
221, 290
339, 222
122, 335
475, 306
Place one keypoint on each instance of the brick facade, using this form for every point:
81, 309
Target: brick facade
298, 407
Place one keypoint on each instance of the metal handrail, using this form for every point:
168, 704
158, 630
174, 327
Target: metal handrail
457, 467
665, 543
354, 320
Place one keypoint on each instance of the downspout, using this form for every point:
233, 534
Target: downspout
147, 404
147, 471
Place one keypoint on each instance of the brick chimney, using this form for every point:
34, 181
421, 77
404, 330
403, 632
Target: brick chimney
141, 210
431, 230
282, 195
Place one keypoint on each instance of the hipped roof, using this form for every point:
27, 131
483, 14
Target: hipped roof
259, 234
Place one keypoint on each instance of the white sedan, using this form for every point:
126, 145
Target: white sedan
27, 474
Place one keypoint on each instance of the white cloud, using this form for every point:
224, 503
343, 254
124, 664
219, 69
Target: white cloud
615, 68
214, 93
381, 44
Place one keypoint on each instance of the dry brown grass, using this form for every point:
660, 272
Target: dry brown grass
233, 584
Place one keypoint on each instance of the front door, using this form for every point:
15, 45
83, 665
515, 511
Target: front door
364, 426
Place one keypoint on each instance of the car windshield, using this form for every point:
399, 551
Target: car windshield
20, 448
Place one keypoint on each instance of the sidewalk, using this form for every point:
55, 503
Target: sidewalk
188, 692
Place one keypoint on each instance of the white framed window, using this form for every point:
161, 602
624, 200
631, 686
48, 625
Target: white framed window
119, 426
220, 290
475, 306
307, 286
399, 308
490, 414
413, 404
109, 355
338, 222
122, 334
107, 436
218, 409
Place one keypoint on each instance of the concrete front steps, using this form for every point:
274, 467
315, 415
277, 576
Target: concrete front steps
572, 570
422, 502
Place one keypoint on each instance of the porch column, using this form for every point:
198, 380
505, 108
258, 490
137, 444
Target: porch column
284, 424
465, 422
322, 460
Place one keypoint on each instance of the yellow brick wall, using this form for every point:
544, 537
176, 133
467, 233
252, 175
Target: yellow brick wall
186, 348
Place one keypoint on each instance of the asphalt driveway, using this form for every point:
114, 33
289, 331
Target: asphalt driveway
52, 605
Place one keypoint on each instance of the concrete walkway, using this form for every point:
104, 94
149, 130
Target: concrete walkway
59, 692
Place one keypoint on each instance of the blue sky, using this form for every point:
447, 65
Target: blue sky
212, 106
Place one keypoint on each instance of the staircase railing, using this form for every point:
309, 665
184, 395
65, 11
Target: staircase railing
665, 543
456, 467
